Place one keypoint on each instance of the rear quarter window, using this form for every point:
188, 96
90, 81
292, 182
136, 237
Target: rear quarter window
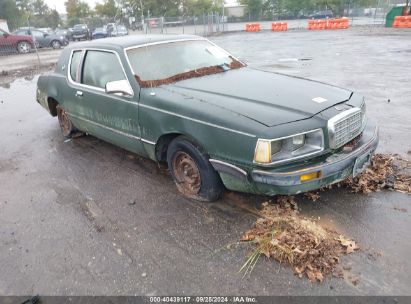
74, 65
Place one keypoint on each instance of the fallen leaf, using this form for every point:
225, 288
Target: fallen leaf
312, 196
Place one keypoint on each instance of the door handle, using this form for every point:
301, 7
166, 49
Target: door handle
79, 93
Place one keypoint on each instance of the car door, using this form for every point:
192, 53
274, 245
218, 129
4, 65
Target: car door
40, 38
111, 117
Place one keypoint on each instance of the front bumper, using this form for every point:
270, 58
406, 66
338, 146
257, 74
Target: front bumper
334, 168
79, 36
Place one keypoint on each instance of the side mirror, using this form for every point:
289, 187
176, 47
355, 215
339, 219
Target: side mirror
119, 87
6, 35
45, 35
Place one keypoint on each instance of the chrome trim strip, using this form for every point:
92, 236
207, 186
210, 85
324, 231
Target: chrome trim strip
148, 142
78, 84
162, 42
196, 120
105, 127
228, 168
216, 161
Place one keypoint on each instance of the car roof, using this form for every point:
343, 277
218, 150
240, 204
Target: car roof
130, 41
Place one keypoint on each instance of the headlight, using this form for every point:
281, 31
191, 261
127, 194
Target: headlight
289, 148
263, 151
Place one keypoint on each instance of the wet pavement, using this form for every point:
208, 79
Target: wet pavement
84, 217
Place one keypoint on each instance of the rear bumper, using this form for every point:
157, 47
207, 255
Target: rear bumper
333, 169
80, 36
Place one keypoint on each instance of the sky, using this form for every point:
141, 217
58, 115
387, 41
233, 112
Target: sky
59, 4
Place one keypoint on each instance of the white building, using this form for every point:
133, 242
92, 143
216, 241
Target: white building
234, 9
3, 25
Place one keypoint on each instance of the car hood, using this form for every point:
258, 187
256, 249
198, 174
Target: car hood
268, 98
23, 37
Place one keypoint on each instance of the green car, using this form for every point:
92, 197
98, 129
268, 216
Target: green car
185, 102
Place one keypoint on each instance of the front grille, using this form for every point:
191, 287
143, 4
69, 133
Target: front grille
344, 127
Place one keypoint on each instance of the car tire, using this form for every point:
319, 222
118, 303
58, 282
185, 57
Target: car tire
66, 126
23, 47
192, 172
55, 44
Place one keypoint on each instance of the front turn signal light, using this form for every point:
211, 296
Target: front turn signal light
263, 152
310, 176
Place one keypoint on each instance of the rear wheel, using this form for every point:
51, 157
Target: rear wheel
66, 125
23, 47
193, 174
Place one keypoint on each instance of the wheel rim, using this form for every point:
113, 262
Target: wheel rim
24, 47
186, 173
56, 44
64, 121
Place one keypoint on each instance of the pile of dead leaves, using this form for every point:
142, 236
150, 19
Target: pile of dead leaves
386, 171
283, 234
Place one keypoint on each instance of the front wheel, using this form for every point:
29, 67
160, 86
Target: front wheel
23, 47
56, 44
66, 125
192, 173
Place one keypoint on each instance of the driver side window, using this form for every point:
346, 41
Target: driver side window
37, 34
101, 67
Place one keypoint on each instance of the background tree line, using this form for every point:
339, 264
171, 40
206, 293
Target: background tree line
117, 9
258, 9
24, 12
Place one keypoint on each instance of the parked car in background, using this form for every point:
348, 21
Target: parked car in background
213, 121
81, 32
100, 32
44, 39
12, 42
138, 25
115, 30
152, 22
45, 29
64, 32
111, 29
121, 30
322, 14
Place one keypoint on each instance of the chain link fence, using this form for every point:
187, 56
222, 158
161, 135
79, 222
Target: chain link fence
209, 24
204, 25
19, 53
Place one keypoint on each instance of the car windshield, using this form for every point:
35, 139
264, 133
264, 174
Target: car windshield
79, 27
195, 58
